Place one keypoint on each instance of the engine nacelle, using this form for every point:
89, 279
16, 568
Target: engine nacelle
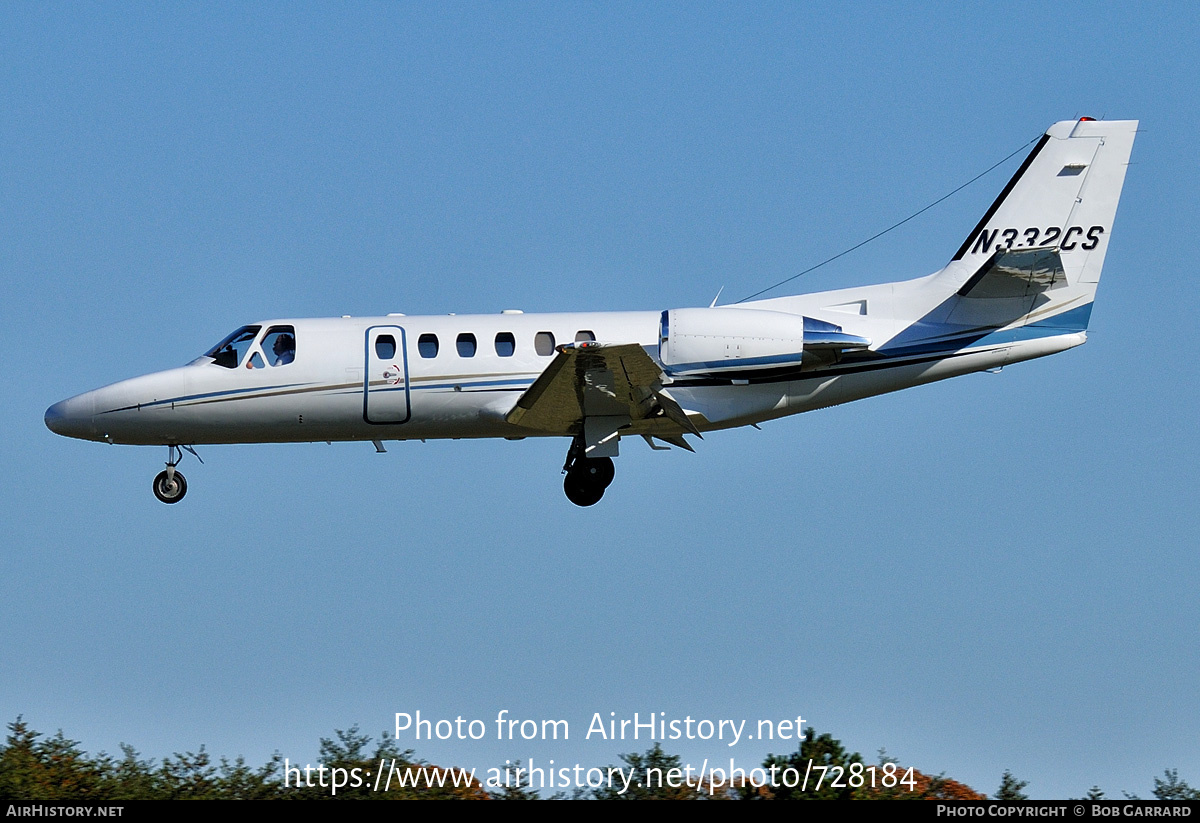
702, 341
716, 340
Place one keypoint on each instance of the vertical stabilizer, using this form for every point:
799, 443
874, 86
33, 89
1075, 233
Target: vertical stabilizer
1062, 202
1064, 195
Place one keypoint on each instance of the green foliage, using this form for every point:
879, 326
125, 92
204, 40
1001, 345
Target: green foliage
1010, 788
1172, 788
823, 750
48, 769
130, 778
350, 750
653, 775
34, 767
523, 788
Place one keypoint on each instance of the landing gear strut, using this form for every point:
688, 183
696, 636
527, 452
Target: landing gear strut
170, 486
587, 477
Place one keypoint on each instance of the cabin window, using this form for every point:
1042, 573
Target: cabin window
506, 344
385, 347
279, 345
255, 362
543, 343
427, 345
466, 345
229, 352
585, 336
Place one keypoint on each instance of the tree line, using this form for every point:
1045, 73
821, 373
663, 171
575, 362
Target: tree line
37, 767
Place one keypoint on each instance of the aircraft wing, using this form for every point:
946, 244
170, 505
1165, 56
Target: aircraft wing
597, 389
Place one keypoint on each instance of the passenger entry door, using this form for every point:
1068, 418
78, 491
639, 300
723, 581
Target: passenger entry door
385, 376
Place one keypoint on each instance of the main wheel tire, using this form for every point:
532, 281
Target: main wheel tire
582, 490
170, 490
598, 470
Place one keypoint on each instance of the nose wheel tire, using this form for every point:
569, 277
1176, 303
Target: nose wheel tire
170, 489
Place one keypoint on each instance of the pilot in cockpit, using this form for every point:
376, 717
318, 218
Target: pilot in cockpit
285, 349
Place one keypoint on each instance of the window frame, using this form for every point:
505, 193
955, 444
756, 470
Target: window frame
463, 340
422, 343
510, 340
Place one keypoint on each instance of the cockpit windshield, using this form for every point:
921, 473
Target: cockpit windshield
230, 351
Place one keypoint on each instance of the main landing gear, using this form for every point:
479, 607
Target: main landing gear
587, 477
170, 485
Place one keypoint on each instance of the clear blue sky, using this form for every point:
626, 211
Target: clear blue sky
995, 572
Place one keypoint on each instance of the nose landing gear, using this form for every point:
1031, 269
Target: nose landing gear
170, 485
587, 477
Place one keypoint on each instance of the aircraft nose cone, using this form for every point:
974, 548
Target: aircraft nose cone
71, 418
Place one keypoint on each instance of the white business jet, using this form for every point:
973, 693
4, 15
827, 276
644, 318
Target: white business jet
1021, 286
